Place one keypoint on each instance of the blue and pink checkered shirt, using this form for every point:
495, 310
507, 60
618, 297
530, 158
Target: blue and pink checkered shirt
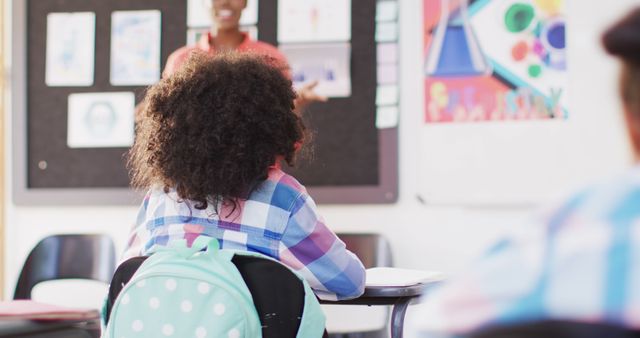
579, 261
279, 219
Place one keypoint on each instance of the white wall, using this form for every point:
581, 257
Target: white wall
427, 237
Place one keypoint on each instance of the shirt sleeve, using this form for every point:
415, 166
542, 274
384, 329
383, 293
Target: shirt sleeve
318, 255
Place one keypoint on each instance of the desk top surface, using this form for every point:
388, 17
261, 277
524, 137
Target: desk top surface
385, 295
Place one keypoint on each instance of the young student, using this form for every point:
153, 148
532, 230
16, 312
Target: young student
225, 35
208, 149
581, 262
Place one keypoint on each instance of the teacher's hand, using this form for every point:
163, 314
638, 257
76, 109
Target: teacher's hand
306, 96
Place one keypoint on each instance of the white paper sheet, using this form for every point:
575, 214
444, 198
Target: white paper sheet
387, 11
387, 95
195, 34
387, 74
135, 47
199, 13
100, 120
387, 53
400, 277
314, 21
386, 31
329, 64
70, 49
387, 117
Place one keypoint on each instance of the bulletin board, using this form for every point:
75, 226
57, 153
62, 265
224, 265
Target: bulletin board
353, 161
2, 154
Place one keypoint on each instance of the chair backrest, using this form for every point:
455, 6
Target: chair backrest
372, 249
556, 329
70, 256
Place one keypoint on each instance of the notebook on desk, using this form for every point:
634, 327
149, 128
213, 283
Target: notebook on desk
400, 277
32, 310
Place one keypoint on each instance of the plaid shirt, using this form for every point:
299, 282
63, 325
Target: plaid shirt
279, 220
579, 262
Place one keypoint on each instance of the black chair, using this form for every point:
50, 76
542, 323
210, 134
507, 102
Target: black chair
556, 329
72, 256
373, 250
277, 293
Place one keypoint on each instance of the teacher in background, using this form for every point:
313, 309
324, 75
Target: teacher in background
225, 35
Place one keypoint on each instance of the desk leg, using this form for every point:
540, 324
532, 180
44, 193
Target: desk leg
397, 317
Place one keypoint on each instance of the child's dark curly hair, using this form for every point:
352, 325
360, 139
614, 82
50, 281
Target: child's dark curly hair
212, 130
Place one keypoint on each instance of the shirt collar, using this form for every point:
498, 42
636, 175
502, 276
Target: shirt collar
206, 45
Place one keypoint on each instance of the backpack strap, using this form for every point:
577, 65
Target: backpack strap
121, 277
312, 323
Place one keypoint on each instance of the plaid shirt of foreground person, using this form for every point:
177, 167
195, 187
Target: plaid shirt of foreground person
580, 262
279, 219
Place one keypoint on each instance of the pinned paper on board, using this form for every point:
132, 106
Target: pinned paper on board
387, 95
329, 64
199, 13
386, 31
386, 10
100, 120
70, 55
387, 117
387, 53
495, 60
135, 47
314, 21
387, 74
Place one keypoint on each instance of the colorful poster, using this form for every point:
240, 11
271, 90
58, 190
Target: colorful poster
100, 120
135, 47
70, 49
495, 60
329, 64
314, 21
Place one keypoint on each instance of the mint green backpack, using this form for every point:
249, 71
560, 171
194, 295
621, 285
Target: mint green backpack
187, 292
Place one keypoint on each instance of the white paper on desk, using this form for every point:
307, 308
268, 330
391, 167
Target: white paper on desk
199, 13
314, 21
400, 277
327, 63
100, 120
135, 47
70, 49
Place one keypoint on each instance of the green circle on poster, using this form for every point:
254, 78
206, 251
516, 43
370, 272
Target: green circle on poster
535, 71
518, 17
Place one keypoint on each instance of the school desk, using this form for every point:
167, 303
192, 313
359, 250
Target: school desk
398, 296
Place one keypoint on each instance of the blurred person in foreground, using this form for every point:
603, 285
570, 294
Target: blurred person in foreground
578, 263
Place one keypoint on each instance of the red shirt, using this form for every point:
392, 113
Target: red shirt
177, 58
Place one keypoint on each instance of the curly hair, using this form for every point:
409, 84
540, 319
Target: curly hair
623, 41
212, 130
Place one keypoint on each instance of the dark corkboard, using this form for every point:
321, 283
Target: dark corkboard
353, 162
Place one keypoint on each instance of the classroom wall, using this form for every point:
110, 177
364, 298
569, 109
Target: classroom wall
422, 236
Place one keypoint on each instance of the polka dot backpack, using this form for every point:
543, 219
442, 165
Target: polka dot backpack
194, 292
